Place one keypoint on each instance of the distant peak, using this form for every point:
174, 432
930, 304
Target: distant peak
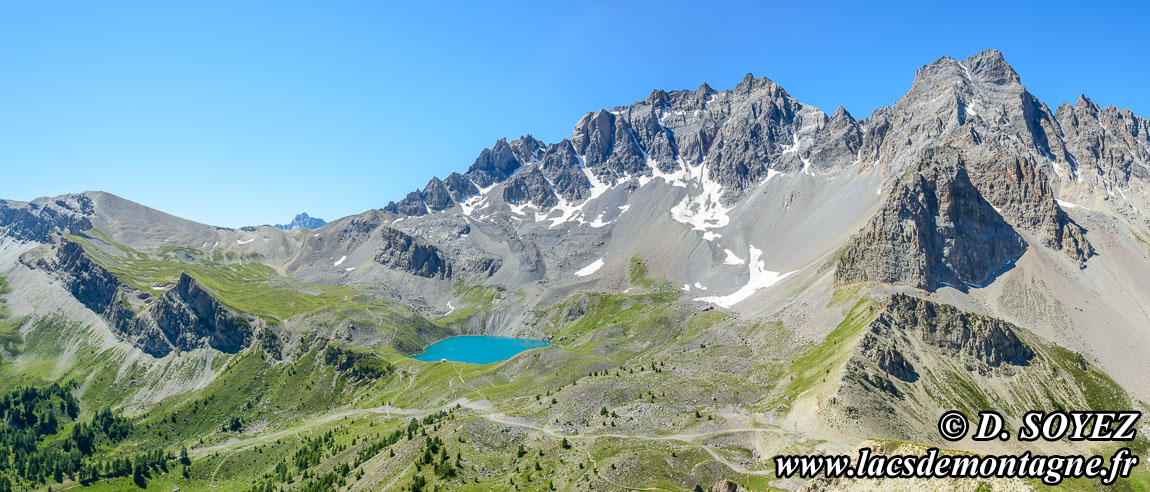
303, 221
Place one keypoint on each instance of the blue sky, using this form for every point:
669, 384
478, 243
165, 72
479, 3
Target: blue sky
237, 113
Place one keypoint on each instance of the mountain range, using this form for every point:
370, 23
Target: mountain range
727, 275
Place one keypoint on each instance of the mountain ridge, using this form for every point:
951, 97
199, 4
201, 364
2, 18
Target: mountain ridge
723, 276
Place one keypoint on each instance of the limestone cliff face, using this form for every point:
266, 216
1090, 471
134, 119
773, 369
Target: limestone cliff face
402, 251
94, 286
1022, 194
982, 343
935, 229
190, 318
917, 358
184, 318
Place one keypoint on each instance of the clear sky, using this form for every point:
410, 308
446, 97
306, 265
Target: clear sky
244, 112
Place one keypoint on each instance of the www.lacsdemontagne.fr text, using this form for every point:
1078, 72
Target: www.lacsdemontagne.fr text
1051, 469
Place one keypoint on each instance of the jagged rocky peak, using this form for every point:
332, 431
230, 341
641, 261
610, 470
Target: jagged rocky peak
460, 187
609, 146
494, 165
838, 140
561, 165
502, 160
412, 204
750, 84
436, 196
1109, 144
303, 221
190, 317
935, 229
530, 187
989, 65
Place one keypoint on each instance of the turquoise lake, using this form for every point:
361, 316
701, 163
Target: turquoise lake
478, 349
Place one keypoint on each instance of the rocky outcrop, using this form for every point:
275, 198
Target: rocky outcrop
486, 266
530, 187
609, 146
402, 251
888, 358
1022, 194
498, 163
436, 196
935, 229
185, 317
190, 318
37, 220
981, 342
1107, 145
94, 286
752, 138
412, 204
459, 187
560, 164
915, 351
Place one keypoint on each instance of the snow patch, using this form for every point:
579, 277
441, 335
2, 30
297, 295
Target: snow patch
702, 211
673, 178
569, 212
340, 260
245, 242
759, 278
475, 202
589, 269
450, 309
794, 146
732, 259
700, 286
1070, 205
348, 269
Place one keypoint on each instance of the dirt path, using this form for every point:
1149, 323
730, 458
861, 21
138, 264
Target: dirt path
485, 407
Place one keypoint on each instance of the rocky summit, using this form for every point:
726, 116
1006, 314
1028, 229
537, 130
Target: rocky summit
302, 221
721, 276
